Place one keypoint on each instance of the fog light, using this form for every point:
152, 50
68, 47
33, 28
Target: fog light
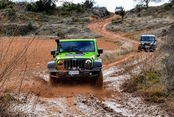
60, 62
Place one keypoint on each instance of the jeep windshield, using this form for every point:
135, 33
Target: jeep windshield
147, 38
77, 46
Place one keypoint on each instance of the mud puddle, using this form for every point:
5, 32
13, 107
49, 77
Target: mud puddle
85, 100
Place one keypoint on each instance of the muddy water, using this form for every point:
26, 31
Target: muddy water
85, 100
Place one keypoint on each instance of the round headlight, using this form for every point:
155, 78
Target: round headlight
88, 64
60, 62
60, 65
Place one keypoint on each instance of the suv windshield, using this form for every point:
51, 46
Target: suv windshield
147, 38
77, 46
118, 8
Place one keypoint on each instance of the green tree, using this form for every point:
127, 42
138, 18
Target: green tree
88, 3
42, 5
5, 3
147, 3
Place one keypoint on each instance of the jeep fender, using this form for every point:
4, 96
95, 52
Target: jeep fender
52, 66
98, 63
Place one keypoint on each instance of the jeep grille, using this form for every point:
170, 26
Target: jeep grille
74, 64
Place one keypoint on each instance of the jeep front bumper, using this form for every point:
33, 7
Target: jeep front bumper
75, 73
150, 47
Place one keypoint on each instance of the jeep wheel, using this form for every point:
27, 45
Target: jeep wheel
139, 49
146, 50
52, 80
153, 49
99, 81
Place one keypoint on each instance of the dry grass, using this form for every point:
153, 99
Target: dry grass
111, 56
12, 56
147, 85
133, 35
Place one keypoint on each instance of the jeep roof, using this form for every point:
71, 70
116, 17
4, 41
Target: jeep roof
68, 40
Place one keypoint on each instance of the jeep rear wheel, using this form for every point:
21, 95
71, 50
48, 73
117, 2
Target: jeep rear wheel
99, 81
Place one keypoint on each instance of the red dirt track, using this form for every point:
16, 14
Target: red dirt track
38, 56
99, 26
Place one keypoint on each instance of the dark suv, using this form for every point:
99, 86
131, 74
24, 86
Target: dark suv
147, 43
118, 10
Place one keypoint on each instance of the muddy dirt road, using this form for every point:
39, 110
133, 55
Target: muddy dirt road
38, 98
99, 26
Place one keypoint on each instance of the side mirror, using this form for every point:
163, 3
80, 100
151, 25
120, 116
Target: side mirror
100, 51
57, 41
53, 53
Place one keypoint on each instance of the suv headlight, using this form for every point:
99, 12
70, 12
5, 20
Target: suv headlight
88, 64
141, 43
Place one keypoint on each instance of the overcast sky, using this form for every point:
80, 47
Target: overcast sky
111, 4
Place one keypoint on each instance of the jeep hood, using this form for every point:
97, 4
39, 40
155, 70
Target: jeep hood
86, 55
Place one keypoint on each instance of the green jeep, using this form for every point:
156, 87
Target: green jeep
76, 58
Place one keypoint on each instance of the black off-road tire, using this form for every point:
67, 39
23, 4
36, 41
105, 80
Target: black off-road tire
147, 50
99, 81
92, 81
52, 80
139, 49
153, 49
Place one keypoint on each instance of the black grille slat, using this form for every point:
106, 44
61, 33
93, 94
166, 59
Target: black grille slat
74, 63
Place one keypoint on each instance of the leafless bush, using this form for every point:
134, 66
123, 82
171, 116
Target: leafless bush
10, 60
12, 55
147, 81
168, 61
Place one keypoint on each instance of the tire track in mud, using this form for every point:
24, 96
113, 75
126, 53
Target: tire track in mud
92, 104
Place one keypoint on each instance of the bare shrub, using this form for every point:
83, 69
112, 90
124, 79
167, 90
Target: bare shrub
168, 61
147, 82
130, 85
11, 13
8, 61
12, 55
